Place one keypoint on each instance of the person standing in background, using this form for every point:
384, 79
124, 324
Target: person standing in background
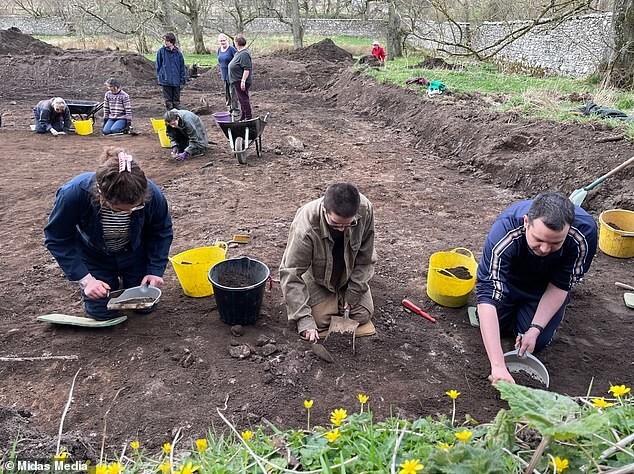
171, 72
241, 77
226, 52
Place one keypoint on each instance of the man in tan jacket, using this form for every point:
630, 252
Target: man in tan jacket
328, 262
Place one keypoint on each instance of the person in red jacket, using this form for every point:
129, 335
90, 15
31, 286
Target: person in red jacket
378, 52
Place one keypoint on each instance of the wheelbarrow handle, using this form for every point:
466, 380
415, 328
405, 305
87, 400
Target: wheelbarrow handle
412, 307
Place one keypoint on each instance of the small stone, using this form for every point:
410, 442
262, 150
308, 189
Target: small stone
240, 352
237, 330
262, 340
268, 349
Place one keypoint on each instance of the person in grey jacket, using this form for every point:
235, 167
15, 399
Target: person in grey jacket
187, 134
171, 71
328, 262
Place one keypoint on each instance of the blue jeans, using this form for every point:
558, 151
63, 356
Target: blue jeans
114, 126
516, 313
127, 265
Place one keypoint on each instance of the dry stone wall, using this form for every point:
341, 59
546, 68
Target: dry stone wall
575, 47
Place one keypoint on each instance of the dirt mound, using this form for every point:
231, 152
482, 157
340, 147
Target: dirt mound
325, 50
77, 74
13, 41
432, 62
527, 155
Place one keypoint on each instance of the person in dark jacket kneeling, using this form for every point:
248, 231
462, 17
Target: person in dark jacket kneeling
109, 225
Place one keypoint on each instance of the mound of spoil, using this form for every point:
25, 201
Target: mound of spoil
325, 50
68, 73
13, 41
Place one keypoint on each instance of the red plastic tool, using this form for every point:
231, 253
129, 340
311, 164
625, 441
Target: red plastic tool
412, 307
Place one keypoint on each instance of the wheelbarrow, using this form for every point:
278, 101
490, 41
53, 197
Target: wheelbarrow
242, 134
84, 109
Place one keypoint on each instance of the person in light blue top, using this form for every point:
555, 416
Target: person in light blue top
226, 52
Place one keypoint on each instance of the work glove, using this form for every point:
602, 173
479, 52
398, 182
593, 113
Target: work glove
54, 132
182, 156
175, 150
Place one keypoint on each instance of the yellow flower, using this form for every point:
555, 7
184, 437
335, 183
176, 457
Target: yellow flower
410, 466
247, 435
308, 404
601, 403
560, 464
167, 448
363, 398
165, 468
619, 390
115, 468
333, 435
337, 416
61, 456
188, 468
444, 446
135, 444
464, 435
202, 444
453, 394
101, 469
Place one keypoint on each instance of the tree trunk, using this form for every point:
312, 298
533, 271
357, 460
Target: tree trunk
197, 32
620, 71
394, 34
167, 17
298, 29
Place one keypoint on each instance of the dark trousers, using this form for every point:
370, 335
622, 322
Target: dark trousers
172, 96
516, 314
231, 100
245, 102
56, 124
128, 266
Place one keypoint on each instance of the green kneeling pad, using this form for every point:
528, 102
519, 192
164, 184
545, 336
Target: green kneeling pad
57, 318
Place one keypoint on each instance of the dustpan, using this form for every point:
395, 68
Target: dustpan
137, 297
529, 364
343, 325
57, 318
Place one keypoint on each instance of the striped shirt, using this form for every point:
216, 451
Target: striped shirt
116, 229
117, 106
507, 261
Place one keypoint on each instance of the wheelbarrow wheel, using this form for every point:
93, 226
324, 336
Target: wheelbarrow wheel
241, 153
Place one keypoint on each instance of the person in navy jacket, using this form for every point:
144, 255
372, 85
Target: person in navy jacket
171, 71
108, 225
534, 254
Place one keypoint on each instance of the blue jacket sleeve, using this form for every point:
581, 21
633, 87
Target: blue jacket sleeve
60, 233
500, 247
183, 69
157, 232
158, 63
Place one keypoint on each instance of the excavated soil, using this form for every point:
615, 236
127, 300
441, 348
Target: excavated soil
438, 172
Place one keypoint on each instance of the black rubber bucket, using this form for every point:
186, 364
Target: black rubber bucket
238, 284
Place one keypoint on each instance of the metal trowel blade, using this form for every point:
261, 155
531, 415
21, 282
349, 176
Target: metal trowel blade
321, 352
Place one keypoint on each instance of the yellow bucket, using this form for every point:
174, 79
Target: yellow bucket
163, 138
83, 127
616, 233
192, 267
447, 281
158, 124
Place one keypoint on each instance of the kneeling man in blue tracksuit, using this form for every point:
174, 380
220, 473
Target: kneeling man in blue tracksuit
535, 252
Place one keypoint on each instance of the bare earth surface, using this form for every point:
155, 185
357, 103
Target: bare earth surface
438, 172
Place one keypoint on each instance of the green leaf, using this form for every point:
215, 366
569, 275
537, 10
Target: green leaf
593, 423
540, 409
502, 431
